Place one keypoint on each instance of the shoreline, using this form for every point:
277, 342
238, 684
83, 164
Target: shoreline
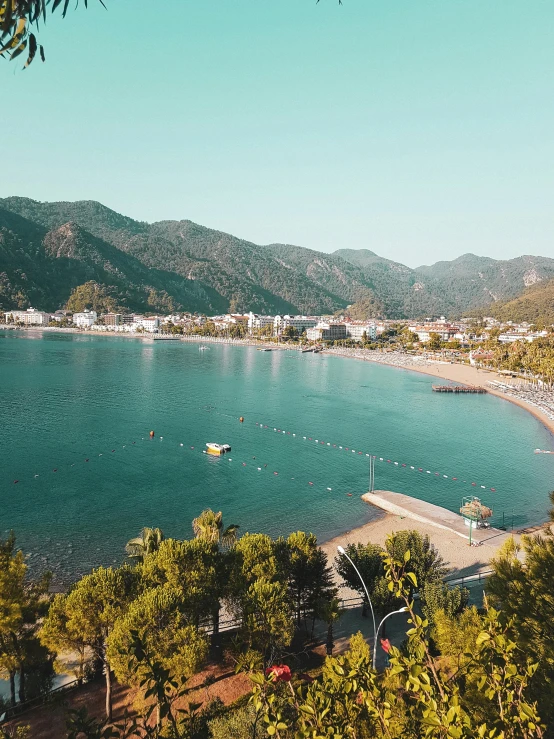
150, 337
446, 530
386, 522
462, 373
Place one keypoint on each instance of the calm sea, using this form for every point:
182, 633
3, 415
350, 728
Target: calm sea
77, 411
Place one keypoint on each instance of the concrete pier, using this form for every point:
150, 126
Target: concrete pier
429, 514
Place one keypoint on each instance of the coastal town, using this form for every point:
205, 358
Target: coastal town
438, 332
515, 359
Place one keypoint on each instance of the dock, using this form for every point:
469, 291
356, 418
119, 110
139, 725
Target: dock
429, 514
458, 389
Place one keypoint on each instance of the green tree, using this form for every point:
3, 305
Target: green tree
330, 611
147, 541
368, 558
177, 646
209, 526
12, 604
267, 618
309, 576
434, 342
290, 333
425, 561
22, 604
455, 635
437, 596
191, 569
521, 586
92, 608
255, 559
241, 723
58, 634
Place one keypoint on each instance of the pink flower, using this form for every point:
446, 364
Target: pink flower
279, 673
385, 645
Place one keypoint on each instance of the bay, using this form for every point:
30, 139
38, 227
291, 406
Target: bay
77, 411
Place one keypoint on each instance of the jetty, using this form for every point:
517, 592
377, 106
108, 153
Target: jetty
431, 515
458, 389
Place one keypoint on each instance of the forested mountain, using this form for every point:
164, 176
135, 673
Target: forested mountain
535, 305
475, 281
41, 267
243, 275
403, 292
48, 249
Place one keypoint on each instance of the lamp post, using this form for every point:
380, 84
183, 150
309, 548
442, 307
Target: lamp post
400, 610
343, 552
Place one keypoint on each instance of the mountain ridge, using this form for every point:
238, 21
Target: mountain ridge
206, 269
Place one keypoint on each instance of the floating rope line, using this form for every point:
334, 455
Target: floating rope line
318, 442
180, 445
340, 447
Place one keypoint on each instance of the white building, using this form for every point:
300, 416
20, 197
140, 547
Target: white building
29, 317
509, 337
86, 319
61, 315
326, 332
151, 325
355, 330
256, 322
300, 323
446, 331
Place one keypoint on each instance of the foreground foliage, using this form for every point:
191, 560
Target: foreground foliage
460, 673
415, 697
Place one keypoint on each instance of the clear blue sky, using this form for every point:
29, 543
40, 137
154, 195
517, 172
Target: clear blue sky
420, 129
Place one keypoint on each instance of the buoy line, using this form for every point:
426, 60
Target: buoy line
357, 452
151, 437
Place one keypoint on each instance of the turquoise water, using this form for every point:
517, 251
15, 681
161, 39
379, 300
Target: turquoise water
70, 398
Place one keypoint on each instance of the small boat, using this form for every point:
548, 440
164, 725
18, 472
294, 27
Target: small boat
218, 449
543, 451
202, 348
264, 349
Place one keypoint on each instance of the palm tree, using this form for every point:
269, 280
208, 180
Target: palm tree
330, 612
146, 542
209, 526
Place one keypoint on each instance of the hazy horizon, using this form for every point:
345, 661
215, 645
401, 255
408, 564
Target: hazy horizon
420, 131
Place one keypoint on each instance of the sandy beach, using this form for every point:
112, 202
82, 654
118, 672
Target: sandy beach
462, 559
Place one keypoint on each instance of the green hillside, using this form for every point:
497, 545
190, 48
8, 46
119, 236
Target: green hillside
472, 281
41, 267
48, 249
535, 305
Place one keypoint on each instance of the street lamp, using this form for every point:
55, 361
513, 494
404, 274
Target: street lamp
343, 552
400, 610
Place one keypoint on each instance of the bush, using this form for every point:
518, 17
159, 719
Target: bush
239, 723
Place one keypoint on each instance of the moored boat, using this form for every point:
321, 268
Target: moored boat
218, 449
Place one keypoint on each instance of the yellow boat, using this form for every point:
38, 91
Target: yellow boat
218, 449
